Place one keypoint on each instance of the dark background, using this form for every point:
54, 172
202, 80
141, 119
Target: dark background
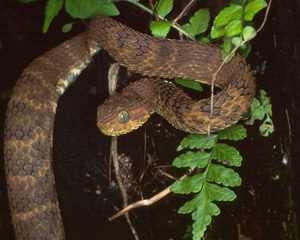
264, 209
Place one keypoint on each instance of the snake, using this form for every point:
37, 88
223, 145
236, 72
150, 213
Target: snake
28, 135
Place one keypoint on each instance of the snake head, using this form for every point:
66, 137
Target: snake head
121, 114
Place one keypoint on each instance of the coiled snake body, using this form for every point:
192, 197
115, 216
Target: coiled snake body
31, 110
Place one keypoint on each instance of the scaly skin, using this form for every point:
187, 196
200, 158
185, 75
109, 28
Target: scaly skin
28, 138
168, 58
31, 110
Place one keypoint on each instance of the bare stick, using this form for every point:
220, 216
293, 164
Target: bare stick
154, 10
147, 202
112, 83
113, 78
184, 11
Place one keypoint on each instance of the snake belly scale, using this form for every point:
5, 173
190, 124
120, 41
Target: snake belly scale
30, 116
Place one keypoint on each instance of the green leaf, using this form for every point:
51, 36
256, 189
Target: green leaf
228, 14
191, 205
259, 110
235, 132
252, 8
259, 113
204, 39
217, 193
222, 175
52, 9
248, 31
245, 49
236, 41
190, 84
198, 23
255, 104
267, 127
227, 45
164, 7
90, 8
160, 28
217, 32
189, 184
67, 27
192, 160
202, 216
233, 28
197, 141
268, 109
226, 53
227, 154
263, 97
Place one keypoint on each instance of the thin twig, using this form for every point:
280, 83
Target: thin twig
112, 83
113, 78
142, 203
166, 174
289, 125
154, 9
184, 11
239, 231
147, 202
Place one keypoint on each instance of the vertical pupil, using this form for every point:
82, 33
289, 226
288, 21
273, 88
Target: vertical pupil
123, 117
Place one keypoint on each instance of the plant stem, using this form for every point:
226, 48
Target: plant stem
148, 10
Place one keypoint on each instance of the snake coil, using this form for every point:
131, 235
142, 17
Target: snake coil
31, 110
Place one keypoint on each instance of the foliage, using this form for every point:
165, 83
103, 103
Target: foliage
190, 84
261, 109
234, 25
78, 9
212, 183
198, 23
52, 9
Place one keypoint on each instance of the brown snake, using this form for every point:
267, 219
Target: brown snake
31, 110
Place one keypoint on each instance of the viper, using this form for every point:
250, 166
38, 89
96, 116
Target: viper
28, 136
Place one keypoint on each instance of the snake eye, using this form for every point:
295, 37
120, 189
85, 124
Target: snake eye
123, 117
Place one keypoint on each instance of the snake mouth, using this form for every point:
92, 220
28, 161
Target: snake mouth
120, 115
117, 128
110, 132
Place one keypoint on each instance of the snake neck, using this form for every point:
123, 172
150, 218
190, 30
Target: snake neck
164, 98
190, 115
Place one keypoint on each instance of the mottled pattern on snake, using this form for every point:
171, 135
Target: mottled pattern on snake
168, 58
29, 135
31, 110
